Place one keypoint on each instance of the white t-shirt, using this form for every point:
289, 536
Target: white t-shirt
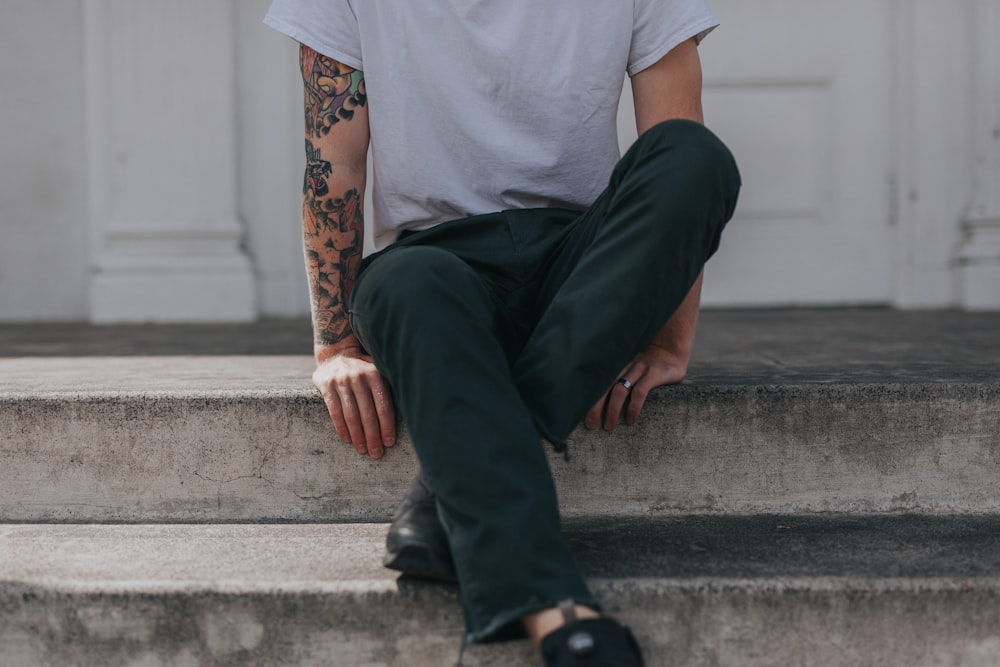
478, 106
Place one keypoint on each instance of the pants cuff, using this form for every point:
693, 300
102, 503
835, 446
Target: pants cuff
507, 626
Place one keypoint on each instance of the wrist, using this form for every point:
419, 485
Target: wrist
347, 346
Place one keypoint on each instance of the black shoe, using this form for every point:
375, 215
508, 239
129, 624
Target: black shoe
594, 642
417, 544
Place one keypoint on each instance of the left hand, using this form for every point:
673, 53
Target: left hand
653, 367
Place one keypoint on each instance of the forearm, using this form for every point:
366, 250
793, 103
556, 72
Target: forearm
337, 134
336, 141
333, 239
676, 337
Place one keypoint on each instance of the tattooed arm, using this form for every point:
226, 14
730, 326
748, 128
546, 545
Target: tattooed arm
332, 190
336, 143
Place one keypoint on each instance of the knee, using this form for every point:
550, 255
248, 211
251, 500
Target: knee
686, 179
688, 151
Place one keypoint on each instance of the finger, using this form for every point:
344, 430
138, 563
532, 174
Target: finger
593, 417
332, 402
637, 399
369, 422
385, 410
353, 418
616, 400
336, 411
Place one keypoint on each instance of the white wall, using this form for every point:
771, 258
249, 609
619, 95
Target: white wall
162, 113
43, 214
78, 240
270, 159
934, 147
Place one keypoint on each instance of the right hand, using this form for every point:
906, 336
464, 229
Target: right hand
358, 399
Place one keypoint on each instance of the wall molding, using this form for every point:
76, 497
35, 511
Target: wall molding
978, 258
166, 239
947, 156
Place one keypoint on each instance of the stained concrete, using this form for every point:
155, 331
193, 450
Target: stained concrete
79, 339
854, 346
733, 346
731, 555
699, 591
335, 558
157, 377
247, 439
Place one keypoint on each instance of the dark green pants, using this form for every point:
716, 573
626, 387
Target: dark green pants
498, 330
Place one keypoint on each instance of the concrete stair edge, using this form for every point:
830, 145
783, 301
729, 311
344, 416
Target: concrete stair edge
273, 456
311, 595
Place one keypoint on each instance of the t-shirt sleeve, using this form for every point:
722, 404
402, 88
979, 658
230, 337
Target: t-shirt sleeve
327, 26
660, 25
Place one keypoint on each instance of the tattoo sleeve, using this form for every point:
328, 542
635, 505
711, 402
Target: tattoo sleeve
333, 189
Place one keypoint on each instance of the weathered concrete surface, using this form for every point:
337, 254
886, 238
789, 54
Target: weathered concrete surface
247, 439
867, 346
80, 339
699, 591
810, 410
735, 346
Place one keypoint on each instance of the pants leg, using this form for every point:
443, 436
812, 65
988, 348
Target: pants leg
436, 328
623, 268
477, 381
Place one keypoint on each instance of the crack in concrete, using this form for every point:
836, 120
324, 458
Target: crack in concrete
258, 474
229, 480
321, 496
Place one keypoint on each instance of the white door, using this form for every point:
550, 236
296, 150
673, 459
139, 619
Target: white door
801, 91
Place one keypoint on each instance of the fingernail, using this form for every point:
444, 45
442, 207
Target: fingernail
389, 442
376, 453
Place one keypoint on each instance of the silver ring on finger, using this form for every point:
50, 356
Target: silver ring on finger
625, 383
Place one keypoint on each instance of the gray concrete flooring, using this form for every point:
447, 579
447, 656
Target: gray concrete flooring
699, 592
158, 376
856, 410
236, 558
762, 346
815, 410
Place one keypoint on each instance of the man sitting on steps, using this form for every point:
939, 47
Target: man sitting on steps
527, 277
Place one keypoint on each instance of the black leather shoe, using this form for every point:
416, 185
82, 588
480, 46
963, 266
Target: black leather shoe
596, 642
417, 544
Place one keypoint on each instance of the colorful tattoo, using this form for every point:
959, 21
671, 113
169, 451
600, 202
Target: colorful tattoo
333, 226
332, 91
334, 236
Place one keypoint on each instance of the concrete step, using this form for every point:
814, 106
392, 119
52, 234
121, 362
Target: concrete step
229, 438
698, 591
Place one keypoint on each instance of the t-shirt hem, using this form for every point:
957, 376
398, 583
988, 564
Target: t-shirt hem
303, 36
697, 30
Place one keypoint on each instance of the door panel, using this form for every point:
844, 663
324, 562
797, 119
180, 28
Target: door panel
801, 91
